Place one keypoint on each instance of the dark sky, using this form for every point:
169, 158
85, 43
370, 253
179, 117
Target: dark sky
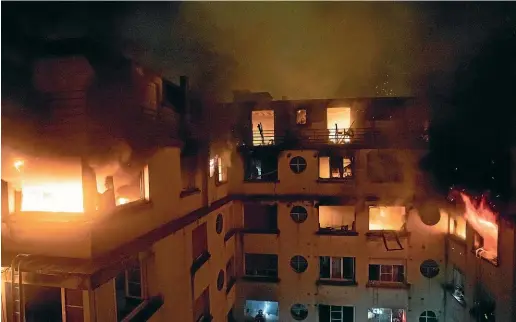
293, 49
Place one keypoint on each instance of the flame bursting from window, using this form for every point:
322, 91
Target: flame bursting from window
484, 222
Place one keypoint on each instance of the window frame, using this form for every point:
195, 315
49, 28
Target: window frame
341, 176
305, 119
299, 259
342, 266
301, 164
297, 216
427, 317
275, 271
65, 305
392, 274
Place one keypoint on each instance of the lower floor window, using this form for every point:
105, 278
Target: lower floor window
129, 295
386, 315
333, 313
386, 273
261, 311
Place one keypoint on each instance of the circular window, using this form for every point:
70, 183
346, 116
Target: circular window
299, 312
429, 268
220, 280
298, 214
428, 316
299, 264
219, 223
298, 164
429, 214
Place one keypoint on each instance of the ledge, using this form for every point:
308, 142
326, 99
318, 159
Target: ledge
261, 181
145, 310
336, 180
197, 264
380, 233
261, 279
336, 283
388, 285
494, 262
136, 205
230, 233
324, 232
261, 231
230, 285
189, 192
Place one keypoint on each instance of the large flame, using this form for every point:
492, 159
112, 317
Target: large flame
484, 221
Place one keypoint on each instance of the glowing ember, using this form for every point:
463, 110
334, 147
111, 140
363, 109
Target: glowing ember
18, 164
122, 201
484, 222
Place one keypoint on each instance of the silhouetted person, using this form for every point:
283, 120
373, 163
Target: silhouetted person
259, 317
260, 128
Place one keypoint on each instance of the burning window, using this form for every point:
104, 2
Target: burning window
268, 311
261, 265
222, 170
384, 314
337, 268
335, 167
212, 166
338, 218
458, 227
263, 127
485, 223
387, 218
301, 116
385, 273
338, 120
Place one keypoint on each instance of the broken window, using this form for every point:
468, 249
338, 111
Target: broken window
337, 268
335, 167
386, 273
260, 218
337, 218
129, 295
199, 242
301, 116
335, 313
202, 306
262, 167
387, 218
458, 227
189, 173
383, 167
263, 127
338, 124
386, 315
458, 281
261, 265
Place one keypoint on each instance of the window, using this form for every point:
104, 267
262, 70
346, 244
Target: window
212, 166
298, 214
260, 218
429, 268
297, 164
458, 281
338, 123
73, 305
261, 265
263, 127
386, 315
267, 309
220, 280
333, 313
337, 268
299, 264
335, 167
261, 166
222, 170
428, 316
384, 167
299, 312
123, 191
301, 116
219, 224
458, 227
387, 218
386, 273
189, 173
337, 218
199, 242
129, 291
202, 306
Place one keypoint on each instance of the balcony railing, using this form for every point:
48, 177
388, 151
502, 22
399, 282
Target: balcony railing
339, 137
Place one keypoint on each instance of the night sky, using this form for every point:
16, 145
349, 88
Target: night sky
459, 56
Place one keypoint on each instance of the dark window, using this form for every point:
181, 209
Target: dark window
458, 281
265, 265
129, 295
337, 268
219, 223
299, 312
231, 318
383, 167
298, 164
299, 264
333, 313
429, 268
188, 173
199, 241
260, 217
298, 214
262, 166
386, 273
428, 316
202, 306
220, 280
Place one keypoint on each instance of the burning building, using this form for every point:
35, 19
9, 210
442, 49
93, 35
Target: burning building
128, 203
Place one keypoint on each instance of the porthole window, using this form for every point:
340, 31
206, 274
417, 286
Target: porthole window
429, 268
299, 312
297, 164
298, 214
299, 264
220, 280
428, 316
219, 223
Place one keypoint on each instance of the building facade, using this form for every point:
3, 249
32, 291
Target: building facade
310, 210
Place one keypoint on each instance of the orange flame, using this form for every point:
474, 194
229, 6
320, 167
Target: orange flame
484, 222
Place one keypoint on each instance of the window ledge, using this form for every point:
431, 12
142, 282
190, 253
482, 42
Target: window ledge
388, 285
261, 181
380, 233
197, 264
229, 234
336, 180
189, 192
145, 310
220, 183
261, 279
493, 262
136, 205
327, 232
336, 282
261, 231
230, 285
